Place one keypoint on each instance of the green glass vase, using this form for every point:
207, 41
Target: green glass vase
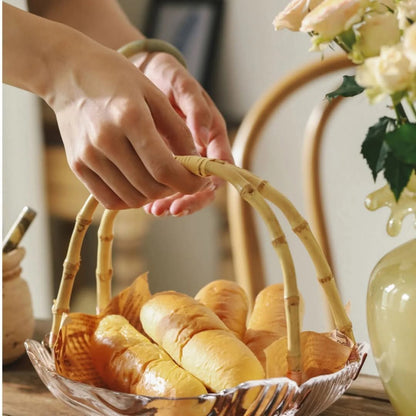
391, 320
391, 304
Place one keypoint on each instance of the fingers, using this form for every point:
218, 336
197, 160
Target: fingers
120, 153
155, 155
191, 100
99, 189
171, 125
179, 205
210, 136
128, 129
125, 162
106, 182
218, 144
203, 118
185, 95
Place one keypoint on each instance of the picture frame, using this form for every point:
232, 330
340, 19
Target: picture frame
192, 26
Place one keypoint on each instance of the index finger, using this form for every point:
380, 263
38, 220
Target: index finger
153, 150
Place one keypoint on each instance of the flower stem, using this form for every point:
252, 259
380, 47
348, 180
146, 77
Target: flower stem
411, 105
400, 113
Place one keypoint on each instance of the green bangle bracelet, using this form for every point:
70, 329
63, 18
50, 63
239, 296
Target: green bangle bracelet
151, 45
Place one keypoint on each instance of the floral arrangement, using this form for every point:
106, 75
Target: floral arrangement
379, 36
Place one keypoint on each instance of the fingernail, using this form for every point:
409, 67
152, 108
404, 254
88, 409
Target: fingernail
162, 214
182, 213
209, 186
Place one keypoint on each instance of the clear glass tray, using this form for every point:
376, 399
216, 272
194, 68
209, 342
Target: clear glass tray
277, 396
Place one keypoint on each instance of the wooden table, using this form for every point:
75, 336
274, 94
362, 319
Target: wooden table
25, 395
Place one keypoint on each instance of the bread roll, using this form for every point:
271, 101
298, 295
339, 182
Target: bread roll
129, 362
267, 322
130, 300
229, 301
321, 354
199, 341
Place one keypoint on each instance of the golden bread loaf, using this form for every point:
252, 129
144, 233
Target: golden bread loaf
229, 301
129, 362
197, 339
130, 300
267, 322
322, 354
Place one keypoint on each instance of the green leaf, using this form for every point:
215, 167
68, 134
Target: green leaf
402, 143
374, 149
347, 39
348, 88
397, 174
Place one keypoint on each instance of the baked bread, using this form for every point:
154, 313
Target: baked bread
267, 322
229, 301
199, 341
129, 362
130, 300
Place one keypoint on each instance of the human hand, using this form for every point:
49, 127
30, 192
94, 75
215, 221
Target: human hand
120, 132
202, 117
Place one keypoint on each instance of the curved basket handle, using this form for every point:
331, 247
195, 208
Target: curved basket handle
202, 167
303, 231
71, 266
253, 190
104, 271
300, 227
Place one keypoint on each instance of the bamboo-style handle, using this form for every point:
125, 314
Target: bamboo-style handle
71, 266
302, 230
104, 271
299, 226
232, 174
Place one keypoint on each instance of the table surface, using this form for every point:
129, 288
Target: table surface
24, 394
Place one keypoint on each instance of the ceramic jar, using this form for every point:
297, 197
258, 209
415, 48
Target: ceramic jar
18, 320
391, 319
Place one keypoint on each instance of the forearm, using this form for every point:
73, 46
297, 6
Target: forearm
102, 20
29, 43
39, 53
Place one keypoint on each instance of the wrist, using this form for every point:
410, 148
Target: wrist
35, 50
61, 56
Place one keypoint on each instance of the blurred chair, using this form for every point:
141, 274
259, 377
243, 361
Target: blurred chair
247, 259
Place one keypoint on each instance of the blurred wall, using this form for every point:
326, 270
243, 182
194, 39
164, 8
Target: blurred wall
23, 184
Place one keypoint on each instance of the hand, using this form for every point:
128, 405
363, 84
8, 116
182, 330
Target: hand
202, 117
119, 131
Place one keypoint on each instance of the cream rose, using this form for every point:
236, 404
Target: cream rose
385, 74
333, 17
376, 31
383, 6
406, 9
291, 17
409, 45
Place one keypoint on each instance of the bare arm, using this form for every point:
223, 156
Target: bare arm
118, 130
102, 20
113, 120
